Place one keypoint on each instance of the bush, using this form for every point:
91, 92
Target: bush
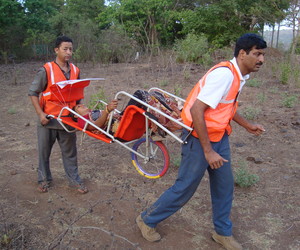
285, 73
12, 111
286, 70
261, 97
194, 49
176, 160
100, 95
251, 113
111, 46
253, 83
289, 101
243, 178
111, 50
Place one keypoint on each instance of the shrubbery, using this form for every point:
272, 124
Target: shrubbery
194, 48
242, 176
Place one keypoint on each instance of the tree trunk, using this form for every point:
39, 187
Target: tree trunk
293, 48
272, 38
277, 38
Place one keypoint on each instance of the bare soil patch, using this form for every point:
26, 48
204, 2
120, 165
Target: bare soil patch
265, 216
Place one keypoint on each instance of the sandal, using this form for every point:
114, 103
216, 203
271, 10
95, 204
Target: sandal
43, 187
82, 189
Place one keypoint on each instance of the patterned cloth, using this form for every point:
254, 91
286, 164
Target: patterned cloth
162, 102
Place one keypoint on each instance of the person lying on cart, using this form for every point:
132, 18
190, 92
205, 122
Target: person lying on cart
156, 99
98, 117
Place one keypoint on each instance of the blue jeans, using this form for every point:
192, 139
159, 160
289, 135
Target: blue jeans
192, 168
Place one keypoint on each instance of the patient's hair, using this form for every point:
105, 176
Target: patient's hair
72, 115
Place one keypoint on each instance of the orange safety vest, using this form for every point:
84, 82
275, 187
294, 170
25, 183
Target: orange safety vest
55, 75
217, 120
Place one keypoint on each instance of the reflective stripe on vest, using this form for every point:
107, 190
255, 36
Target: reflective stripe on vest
54, 75
217, 120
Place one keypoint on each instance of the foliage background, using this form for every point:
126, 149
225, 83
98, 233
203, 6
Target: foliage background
113, 31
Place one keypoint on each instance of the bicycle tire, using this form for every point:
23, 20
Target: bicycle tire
157, 164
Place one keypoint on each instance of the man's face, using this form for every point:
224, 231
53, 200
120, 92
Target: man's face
253, 60
64, 51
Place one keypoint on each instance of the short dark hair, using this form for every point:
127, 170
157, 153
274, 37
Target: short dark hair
62, 39
248, 41
72, 115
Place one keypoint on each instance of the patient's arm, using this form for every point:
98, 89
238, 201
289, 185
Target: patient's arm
100, 122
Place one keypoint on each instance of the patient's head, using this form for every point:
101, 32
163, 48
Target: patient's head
80, 109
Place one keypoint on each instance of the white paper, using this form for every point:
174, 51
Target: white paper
63, 84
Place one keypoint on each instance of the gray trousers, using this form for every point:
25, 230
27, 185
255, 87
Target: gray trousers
67, 143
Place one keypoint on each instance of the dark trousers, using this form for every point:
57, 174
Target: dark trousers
67, 143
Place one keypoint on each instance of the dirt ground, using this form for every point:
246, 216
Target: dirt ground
265, 216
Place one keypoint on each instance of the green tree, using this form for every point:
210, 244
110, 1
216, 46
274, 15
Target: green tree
38, 13
218, 21
40, 32
12, 30
255, 13
293, 17
150, 22
77, 19
159, 22
223, 21
75, 13
86, 9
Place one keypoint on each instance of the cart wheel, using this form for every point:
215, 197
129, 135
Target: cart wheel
154, 166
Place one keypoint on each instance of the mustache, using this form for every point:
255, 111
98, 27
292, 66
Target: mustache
260, 63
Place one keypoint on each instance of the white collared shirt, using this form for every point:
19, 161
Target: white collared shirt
218, 83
